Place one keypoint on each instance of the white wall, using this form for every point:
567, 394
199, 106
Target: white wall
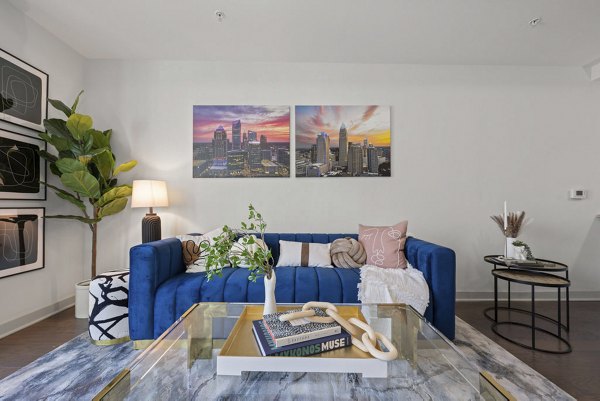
30, 296
464, 140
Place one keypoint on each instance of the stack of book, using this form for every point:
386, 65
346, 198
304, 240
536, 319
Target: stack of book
298, 337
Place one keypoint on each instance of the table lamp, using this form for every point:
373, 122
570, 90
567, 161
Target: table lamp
150, 194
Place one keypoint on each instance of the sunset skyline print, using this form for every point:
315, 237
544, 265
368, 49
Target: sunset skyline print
343, 141
241, 141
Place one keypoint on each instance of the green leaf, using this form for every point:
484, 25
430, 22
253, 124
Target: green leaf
125, 167
58, 142
82, 182
76, 102
56, 126
58, 105
70, 165
54, 170
47, 156
72, 217
122, 191
79, 124
113, 207
105, 163
72, 199
100, 139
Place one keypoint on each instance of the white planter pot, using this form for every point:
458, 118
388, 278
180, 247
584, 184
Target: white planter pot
270, 304
510, 248
520, 253
82, 299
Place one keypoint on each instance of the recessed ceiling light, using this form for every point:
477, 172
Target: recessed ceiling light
220, 15
535, 22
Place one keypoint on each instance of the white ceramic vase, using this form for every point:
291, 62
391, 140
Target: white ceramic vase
270, 304
510, 248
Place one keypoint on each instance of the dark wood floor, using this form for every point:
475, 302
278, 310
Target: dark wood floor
575, 373
25, 346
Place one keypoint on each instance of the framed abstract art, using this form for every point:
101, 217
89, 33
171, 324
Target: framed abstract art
23, 93
21, 167
21, 240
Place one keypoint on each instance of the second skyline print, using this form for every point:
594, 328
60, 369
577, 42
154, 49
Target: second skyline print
343, 141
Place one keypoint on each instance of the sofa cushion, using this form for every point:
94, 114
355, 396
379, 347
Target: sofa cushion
384, 245
294, 285
293, 253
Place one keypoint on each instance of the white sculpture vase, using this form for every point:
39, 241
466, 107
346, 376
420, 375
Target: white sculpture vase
510, 248
270, 304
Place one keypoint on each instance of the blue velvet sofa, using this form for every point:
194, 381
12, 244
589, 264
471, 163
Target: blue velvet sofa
160, 291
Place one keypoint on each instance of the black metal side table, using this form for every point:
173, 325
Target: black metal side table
538, 275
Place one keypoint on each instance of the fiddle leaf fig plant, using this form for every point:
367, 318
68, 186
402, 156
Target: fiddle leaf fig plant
86, 167
241, 247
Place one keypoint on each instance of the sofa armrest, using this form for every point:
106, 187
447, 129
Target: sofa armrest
438, 265
151, 264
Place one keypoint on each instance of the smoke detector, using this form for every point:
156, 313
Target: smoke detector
220, 15
535, 22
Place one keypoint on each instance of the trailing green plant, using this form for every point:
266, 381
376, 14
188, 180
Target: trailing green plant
226, 250
528, 253
86, 167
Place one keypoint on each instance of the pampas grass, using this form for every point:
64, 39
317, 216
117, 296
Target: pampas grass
515, 222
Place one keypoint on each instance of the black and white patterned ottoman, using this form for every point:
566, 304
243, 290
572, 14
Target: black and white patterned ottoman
109, 313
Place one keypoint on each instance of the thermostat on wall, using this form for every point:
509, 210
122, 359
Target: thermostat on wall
577, 194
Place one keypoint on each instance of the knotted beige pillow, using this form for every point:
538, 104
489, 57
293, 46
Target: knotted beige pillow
348, 252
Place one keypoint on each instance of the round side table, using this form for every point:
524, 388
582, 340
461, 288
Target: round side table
542, 274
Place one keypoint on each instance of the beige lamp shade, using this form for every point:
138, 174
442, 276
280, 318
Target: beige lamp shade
149, 193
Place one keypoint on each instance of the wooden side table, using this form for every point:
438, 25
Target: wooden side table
541, 275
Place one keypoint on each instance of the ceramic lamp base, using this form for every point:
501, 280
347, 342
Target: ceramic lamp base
151, 228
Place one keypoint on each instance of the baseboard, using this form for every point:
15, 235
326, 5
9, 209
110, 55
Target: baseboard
20, 323
542, 295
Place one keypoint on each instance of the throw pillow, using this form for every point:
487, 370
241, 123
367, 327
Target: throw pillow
193, 255
238, 248
384, 245
348, 252
304, 254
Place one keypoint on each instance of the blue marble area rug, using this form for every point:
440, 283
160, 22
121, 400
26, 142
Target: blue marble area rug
78, 370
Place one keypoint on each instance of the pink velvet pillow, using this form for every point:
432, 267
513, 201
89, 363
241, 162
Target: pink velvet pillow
384, 245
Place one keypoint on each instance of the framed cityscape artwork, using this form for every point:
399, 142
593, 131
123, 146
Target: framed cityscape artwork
21, 240
343, 141
21, 167
23, 93
241, 141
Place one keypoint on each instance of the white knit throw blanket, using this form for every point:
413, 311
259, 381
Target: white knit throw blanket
384, 286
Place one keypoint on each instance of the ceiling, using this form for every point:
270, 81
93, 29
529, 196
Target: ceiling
491, 32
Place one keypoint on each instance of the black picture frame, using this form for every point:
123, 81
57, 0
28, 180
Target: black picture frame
23, 93
22, 240
21, 167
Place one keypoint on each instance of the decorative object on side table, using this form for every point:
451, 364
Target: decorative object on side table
150, 194
23, 93
249, 251
86, 167
21, 240
522, 251
511, 225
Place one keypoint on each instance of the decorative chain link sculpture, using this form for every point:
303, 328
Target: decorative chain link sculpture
366, 342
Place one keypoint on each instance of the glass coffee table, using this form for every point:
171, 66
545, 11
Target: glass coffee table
181, 365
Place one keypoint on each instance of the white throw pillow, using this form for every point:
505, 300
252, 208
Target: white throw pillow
193, 254
304, 254
239, 246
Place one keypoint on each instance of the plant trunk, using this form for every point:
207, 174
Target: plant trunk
94, 243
